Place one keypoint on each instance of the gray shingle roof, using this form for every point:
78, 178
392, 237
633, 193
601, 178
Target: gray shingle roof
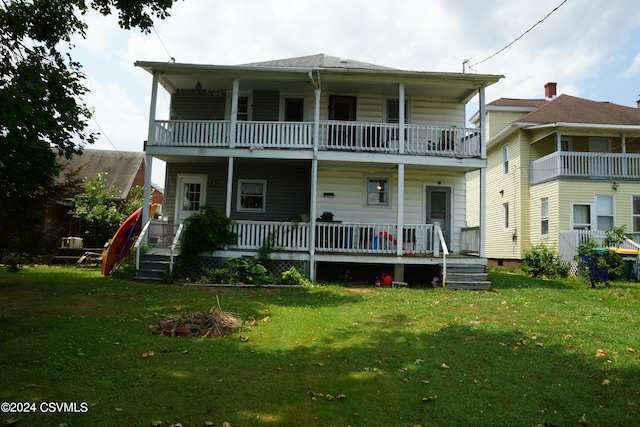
319, 61
121, 167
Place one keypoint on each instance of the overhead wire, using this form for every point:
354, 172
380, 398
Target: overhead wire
520, 36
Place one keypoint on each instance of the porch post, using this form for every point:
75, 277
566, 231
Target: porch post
401, 118
483, 175
227, 209
234, 113
559, 160
400, 201
316, 113
624, 151
312, 219
146, 192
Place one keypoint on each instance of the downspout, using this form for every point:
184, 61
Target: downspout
314, 174
151, 137
483, 175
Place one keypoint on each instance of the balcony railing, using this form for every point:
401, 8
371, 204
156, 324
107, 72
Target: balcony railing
585, 165
331, 237
334, 135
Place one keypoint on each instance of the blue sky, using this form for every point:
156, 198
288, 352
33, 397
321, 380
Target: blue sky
591, 48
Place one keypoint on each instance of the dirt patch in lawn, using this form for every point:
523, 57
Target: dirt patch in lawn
214, 324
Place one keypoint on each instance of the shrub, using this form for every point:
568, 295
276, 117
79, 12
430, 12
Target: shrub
204, 231
598, 265
293, 277
542, 261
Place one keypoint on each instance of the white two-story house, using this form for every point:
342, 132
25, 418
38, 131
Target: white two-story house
351, 166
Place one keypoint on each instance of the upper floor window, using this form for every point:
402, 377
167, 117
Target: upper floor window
544, 216
377, 192
243, 108
393, 111
505, 159
251, 195
565, 144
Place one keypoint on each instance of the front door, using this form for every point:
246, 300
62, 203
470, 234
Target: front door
438, 210
190, 196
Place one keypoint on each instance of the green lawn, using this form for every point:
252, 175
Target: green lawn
528, 353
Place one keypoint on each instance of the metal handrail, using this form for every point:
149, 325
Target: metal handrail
141, 238
176, 239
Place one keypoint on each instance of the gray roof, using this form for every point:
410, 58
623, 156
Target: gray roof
319, 61
121, 167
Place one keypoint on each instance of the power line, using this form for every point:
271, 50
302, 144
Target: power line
171, 58
522, 35
103, 133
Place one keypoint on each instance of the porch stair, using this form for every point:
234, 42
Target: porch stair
467, 277
153, 268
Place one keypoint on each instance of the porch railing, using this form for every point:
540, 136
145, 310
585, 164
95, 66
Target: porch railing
470, 240
289, 236
585, 165
353, 238
571, 240
334, 135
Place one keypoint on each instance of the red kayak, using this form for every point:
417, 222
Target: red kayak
122, 242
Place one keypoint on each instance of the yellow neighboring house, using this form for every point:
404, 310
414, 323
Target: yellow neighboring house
559, 169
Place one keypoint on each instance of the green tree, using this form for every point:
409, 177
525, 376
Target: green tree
99, 209
600, 265
42, 114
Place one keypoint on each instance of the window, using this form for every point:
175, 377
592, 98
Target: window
565, 144
505, 216
393, 111
377, 192
243, 108
581, 216
251, 195
604, 212
635, 214
293, 109
505, 159
191, 197
544, 216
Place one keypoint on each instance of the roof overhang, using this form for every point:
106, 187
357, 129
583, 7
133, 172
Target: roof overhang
458, 86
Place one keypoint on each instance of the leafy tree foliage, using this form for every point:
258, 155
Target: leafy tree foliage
101, 212
598, 264
41, 90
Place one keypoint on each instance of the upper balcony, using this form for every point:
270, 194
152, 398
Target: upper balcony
333, 135
585, 165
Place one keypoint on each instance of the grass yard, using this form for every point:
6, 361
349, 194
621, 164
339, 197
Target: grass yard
528, 353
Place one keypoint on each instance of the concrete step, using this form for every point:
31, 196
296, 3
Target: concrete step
471, 285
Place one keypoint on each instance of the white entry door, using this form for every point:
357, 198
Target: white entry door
190, 196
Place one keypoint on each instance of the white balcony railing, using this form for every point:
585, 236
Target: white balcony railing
585, 165
470, 240
289, 236
334, 135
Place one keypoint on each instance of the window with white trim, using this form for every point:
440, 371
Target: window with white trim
544, 216
505, 216
581, 216
377, 192
393, 110
505, 159
251, 195
604, 212
635, 214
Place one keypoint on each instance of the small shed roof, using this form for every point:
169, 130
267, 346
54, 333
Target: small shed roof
121, 167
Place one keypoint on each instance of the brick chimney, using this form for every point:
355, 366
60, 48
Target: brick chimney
550, 90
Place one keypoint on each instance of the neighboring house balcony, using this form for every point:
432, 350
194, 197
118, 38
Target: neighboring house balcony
585, 165
333, 135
